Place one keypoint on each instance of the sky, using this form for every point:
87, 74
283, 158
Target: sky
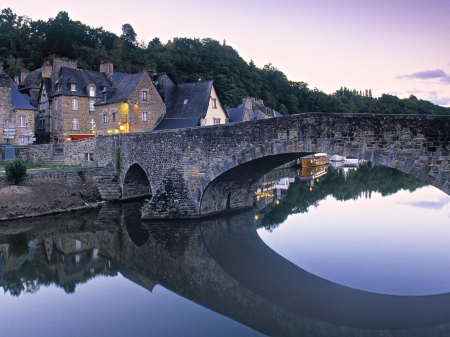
398, 47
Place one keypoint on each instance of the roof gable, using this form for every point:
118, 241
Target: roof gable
18, 100
190, 100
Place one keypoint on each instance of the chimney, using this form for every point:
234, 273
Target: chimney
23, 75
46, 70
106, 67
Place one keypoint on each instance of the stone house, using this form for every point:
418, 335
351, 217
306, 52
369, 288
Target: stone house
189, 104
17, 115
67, 100
134, 105
251, 109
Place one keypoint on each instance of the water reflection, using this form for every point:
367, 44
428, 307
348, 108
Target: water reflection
221, 264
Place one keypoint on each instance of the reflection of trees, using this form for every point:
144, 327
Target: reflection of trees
362, 182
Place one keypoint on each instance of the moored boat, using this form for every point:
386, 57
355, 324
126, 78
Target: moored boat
316, 159
337, 158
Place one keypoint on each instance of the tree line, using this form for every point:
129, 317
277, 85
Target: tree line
25, 43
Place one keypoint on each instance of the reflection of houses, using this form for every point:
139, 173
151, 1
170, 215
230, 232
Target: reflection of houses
312, 174
350, 164
269, 193
251, 109
17, 115
68, 262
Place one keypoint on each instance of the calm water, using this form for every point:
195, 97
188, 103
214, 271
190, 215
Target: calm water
365, 253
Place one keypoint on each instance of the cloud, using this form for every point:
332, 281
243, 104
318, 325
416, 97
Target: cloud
437, 74
433, 96
414, 91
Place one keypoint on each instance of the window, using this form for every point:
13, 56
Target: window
56, 104
74, 103
56, 123
114, 119
77, 244
216, 121
91, 105
105, 117
144, 116
144, 96
75, 123
91, 91
185, 101
22, 121
214, 103
58, 86
73, 87
92, 122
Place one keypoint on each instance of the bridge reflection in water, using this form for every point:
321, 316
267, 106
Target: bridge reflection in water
222, 264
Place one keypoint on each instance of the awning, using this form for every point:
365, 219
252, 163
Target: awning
78, 136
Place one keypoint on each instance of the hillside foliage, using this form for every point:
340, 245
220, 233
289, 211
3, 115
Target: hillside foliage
27, 43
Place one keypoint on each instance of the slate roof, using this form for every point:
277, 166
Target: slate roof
125, 88
18, 101
165, 86
277, 114
236, 115
116, 77
190, 100
82, 78
33, 80
177, 123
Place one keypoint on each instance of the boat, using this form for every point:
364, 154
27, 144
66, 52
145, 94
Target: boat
337, 158
316, 159
351, 161
311, 173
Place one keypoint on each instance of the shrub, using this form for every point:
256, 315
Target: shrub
15, 170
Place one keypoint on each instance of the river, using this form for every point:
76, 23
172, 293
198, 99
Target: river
353, 252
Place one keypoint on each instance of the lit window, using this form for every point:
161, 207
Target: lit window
114, 119
144, 116
92, 122
216, 121
75, 123
22, 121
74, 103
214, 103
144, 96
73, 87
91, 105
105, 117
91, 91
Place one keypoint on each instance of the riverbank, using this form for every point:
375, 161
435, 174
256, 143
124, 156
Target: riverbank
37, 200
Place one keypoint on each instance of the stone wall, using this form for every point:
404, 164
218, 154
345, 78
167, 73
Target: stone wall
80, 152
34, 153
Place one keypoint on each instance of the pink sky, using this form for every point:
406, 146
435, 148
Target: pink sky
389, 46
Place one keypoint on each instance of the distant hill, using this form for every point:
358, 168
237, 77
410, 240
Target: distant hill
27, 43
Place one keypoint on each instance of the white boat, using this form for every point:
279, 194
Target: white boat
337, 158
351, 161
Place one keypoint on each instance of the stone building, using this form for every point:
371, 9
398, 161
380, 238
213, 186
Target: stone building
134, 105
67, 100
17, 115
251, 109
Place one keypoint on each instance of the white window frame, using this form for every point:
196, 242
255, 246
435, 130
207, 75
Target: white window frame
75, 123
214, 103
91, 105
144, 96
92, 122
105, 117
145, 116
91, 91
216, 121
185, 101
74, 103
22, 121
73, 87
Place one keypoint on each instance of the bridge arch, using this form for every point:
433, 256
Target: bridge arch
135, 183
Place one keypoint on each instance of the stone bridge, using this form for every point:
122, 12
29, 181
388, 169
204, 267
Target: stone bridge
197, 172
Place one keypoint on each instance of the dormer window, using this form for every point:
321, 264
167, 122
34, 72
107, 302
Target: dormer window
185, 101
73, 87
144, 96
91, 91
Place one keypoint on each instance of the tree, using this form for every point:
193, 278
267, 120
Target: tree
128, 34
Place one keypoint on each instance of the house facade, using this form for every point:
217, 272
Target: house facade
17, 115
134, 105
